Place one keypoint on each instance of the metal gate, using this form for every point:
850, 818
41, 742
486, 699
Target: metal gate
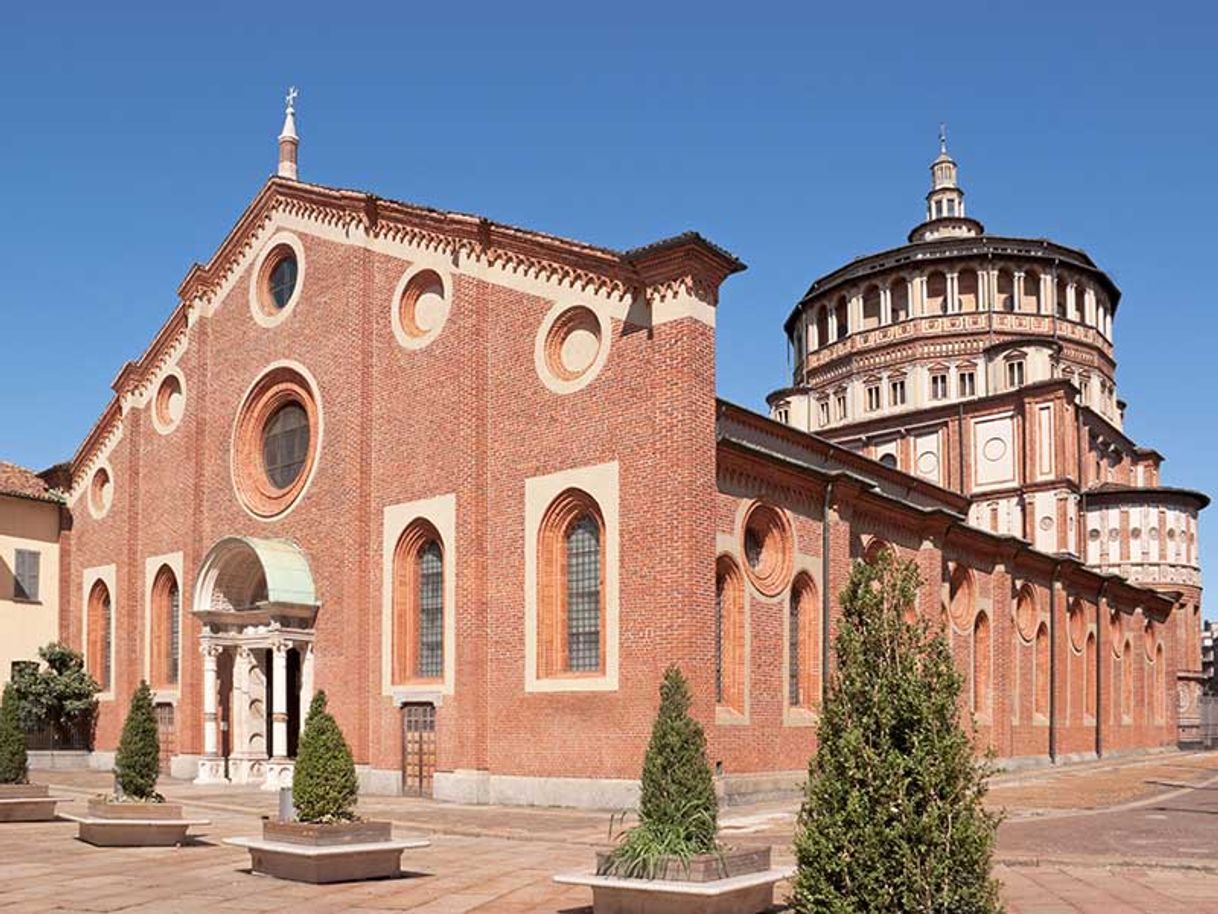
418, 749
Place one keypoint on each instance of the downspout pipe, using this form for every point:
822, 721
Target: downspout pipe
1053, 663
826, 601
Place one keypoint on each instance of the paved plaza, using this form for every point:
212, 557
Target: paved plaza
1117, 838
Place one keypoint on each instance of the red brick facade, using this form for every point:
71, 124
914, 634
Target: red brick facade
479, 399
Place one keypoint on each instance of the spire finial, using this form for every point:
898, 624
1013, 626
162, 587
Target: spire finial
942, 137
288, 141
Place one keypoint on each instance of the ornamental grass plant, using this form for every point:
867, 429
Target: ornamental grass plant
678, 810
892, 818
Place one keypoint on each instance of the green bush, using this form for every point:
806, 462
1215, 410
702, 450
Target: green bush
137, 763
892, 818
324, 787
13, 762
678, 810
58, 692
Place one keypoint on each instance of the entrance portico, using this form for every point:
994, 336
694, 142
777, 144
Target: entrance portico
257, 605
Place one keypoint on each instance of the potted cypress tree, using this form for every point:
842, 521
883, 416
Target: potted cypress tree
671, 862
892, 818
135, 815
327, 841
20, 801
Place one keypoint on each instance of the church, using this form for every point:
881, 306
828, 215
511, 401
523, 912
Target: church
474, 481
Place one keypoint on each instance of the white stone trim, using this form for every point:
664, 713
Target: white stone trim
87, 489
601, 483
315, 389
798, 716
261, 318
152, 564
405, 340
728, 544
441, 512
549, 379
108, 575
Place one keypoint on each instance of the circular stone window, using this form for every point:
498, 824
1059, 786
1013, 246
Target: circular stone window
421, 306
767, 546
168, 404
277, 278
572, 345
275, 441
101, 492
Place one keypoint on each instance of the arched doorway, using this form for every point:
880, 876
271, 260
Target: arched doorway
257, 606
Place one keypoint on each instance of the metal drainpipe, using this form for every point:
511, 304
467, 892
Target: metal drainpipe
960, 440
1099, 671
826, 603
1053, 664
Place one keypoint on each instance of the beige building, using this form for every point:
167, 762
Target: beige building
31, 511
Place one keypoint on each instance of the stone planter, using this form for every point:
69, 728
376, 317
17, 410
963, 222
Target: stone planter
26, 803
738, 881
320, 853
119, 824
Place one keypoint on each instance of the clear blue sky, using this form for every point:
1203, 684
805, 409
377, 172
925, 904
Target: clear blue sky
796, 135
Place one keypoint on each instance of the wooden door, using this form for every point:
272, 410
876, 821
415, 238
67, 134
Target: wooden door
418, 749
166, 732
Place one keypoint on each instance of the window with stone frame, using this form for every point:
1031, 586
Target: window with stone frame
896, 392
1015, 374
840, 405
729, 634
165, 635
823, 411
571, 587
98, 658
803, 667
418, 605
938, 386
873, 398
968, 384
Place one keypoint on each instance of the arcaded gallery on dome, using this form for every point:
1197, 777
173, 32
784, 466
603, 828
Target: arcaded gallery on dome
474, 481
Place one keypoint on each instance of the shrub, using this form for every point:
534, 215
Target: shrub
58, 693
137, 763
892, 818
324, 787
13, 761
678, 811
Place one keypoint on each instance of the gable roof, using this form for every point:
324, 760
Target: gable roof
22, 483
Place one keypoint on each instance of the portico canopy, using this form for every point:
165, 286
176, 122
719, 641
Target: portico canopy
244, 574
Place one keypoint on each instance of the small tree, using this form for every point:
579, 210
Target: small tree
892, 818
324, 787
14, 765
678, 810
58, 693
138, 760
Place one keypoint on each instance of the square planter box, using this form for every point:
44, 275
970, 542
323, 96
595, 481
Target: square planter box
110, 824
337, 852
739, 881
26, 803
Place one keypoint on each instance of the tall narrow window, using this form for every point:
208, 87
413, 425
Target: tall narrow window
938, 387
584, 595
1015, 374
982, 693
571, 587
840, 402
418, 605
1040, 675
729, 634
99, 635
1127, 682
896, 393
968, 384
1089, 677
803, 671
873, 397
431, 612
165, 633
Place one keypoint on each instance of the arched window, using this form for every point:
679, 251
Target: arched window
1031, 292
843, 318
729, 634
899, 295
936, 293
1061, 298
1159, 677
961, 598
571, 584
871, 307
1127, 682
1089, 677
966, 290
165, 634
982, 692
803, 667
874, 549
1005, 300
99, 646
1040, 674
418, 605
822, 326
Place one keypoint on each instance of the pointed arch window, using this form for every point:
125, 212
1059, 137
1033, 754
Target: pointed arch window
418, 605
982, 691
571, 581
1040, 675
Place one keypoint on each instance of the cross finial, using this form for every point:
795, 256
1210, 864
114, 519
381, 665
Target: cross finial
290, 99
943, 137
